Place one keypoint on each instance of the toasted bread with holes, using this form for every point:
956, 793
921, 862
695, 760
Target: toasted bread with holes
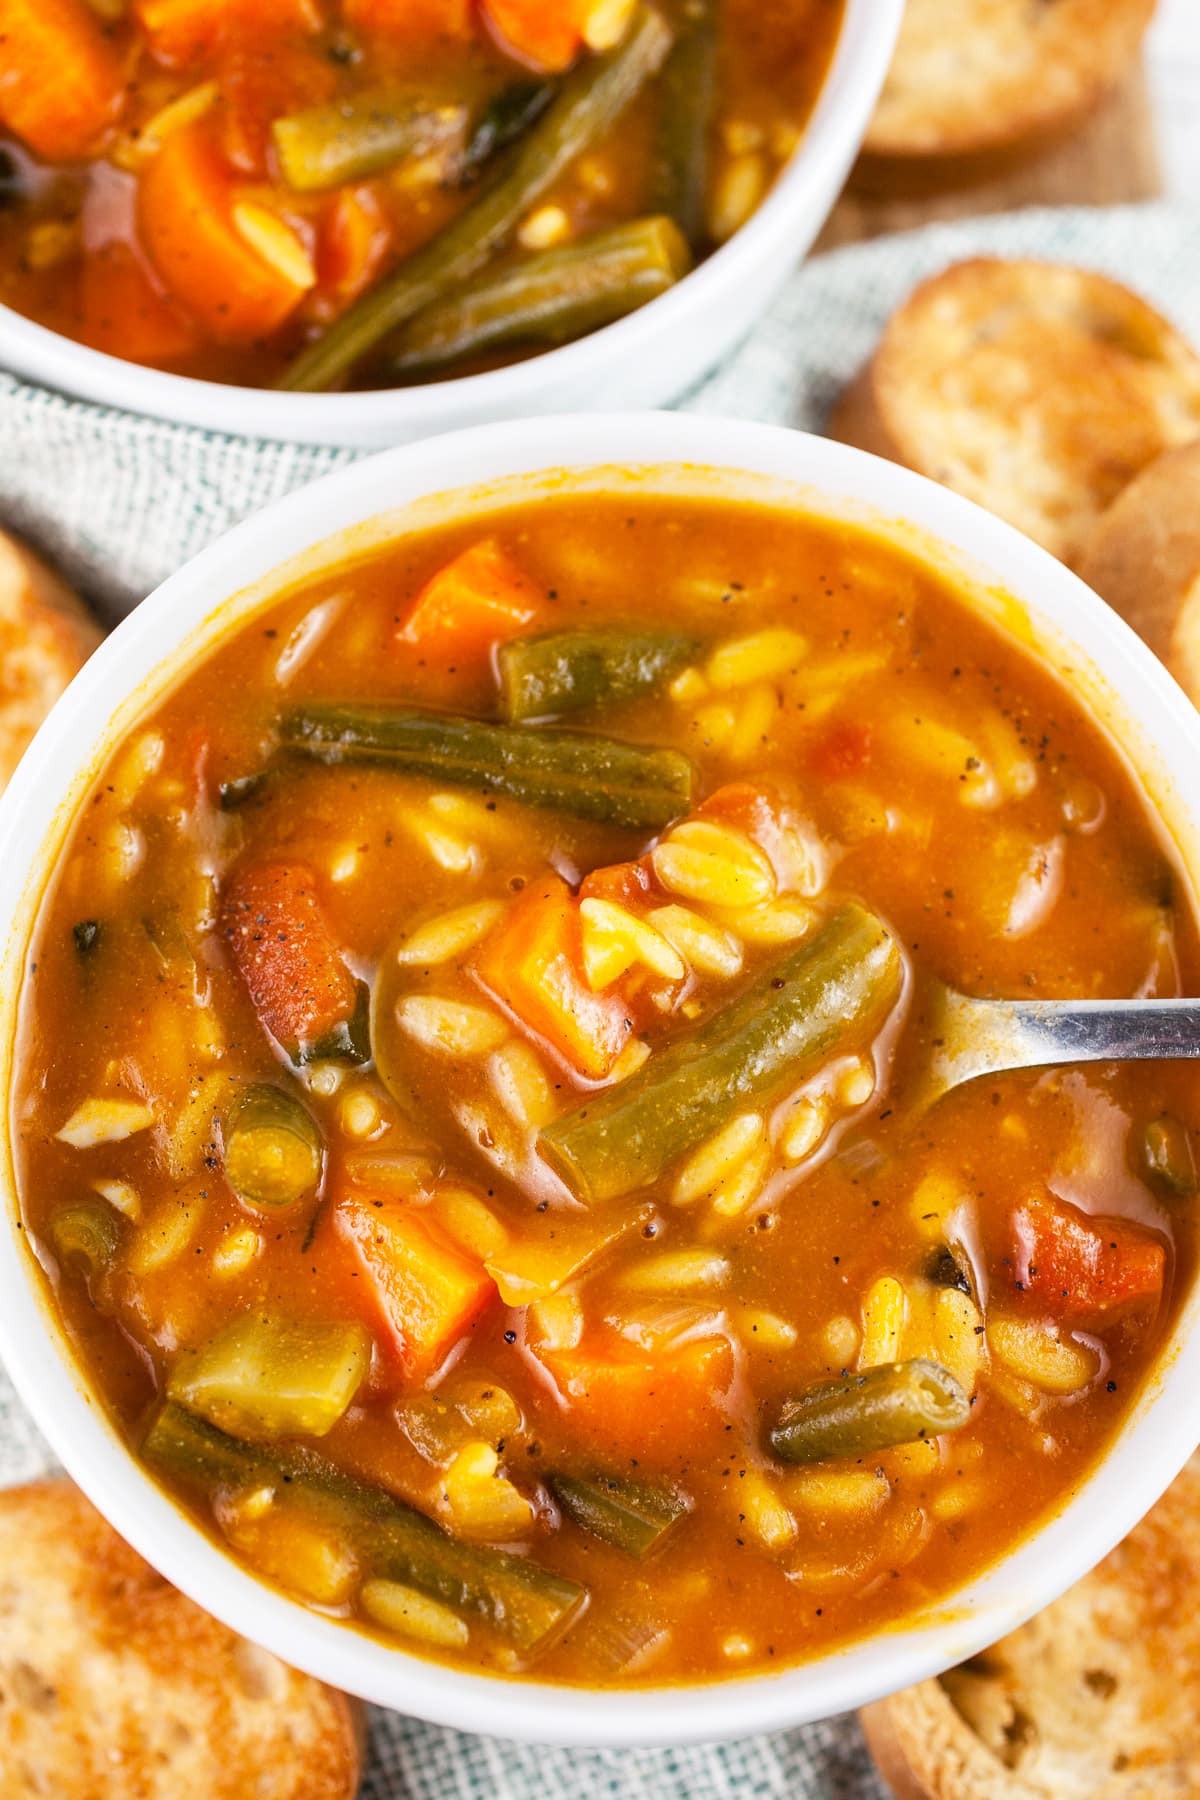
46, 635
978, 75
1097, 1698
1144, 559
112, 1684
1036, 389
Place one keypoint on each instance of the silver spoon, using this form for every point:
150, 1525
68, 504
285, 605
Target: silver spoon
968, 1037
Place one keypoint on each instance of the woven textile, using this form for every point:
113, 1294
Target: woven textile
120, 502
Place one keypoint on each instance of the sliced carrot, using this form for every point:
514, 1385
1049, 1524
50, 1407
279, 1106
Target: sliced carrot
654, 1408
286, 954
61, 81
420, 21
480, 599
625, 884
185, 214
546, 33
533, 965
181, 32
423, 1291
123, 315
1085, 1269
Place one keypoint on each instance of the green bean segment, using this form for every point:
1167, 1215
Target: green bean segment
1167, 1157
347, 140
549, 299
273, 1149
569, 671
822, 1000
268, 1377
507, 116
592, 97
524, 1602
629, 1514
589, 777
689, 104
88, 1233
896, 1403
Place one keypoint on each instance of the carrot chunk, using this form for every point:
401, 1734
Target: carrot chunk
185, 211
1085, 1269
423, 1291
481, 598
546, 33
353, 245
415, 21
533, 965
124, 316
652, 1407
61, 82
181, 32
285, 953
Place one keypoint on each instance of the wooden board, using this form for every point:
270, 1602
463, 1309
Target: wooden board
1113, 159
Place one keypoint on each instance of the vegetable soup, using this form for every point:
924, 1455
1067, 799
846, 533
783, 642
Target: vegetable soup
322, 193
465, 1105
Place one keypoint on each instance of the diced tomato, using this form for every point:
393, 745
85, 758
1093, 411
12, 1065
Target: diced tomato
261, 79
285, 953
355, 237
1085, 1269
421, 1288
185, 212
843, 750
61, 81
122, 314
419, 21
533, 965
181, 32
546, 33
481, 598
625, 884
653, 1408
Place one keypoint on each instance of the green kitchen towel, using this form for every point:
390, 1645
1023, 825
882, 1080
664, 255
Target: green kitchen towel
119, 502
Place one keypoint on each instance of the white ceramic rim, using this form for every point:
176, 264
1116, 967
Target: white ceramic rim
819, 164
1120, 679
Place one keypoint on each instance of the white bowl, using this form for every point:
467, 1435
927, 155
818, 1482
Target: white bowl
648, 359
370, 503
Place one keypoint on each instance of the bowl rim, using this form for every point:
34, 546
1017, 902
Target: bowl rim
834, 130
769, 462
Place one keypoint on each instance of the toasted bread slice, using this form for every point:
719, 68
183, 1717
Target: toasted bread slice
1144, 559
977, 75
1094, 1699
1036, 389
46, 635
112, 1684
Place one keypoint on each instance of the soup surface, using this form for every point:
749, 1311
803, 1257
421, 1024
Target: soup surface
315, 193
468, 1104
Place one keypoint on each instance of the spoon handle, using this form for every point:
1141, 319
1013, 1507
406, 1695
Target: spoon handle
984, 1037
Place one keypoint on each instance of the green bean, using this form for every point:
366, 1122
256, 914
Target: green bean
1167, 1156
270, 1377
346, 140
548, 299
569, 670
856, 1415
589, 777
592, 97
87, 1233
630, 1514
518, 1598
687, 106
821, 1000
273, 1149
507, 116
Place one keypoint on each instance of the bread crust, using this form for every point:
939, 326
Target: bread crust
1144, 559
1094, 1699
971, 76
1037, 389
46, 635
112, 1683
